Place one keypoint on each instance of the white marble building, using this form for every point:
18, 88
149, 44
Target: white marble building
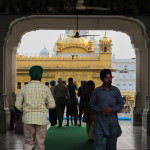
125, 75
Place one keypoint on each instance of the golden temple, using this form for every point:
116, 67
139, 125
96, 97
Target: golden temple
74, 57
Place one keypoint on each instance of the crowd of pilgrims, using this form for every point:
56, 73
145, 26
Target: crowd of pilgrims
70, 100
97, 107
76, 102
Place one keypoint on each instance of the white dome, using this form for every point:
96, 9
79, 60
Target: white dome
44, 53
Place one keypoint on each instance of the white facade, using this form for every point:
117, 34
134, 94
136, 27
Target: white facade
125, 75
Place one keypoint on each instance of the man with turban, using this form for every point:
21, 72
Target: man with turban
32, 101
106, 101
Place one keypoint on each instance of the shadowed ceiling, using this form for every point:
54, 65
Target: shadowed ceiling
67, 7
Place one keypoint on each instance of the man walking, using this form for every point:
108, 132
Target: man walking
62, 96
106, 101
33, 100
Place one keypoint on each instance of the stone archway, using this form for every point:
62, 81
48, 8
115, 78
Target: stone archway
132, 27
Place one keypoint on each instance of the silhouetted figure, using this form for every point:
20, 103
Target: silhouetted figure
81, 92
89, 114
12, 111
61, 95
52, 112
72, 106
47, 84
18, 124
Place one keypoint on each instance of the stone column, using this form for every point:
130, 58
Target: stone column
137, 111
141, 88
146, 116
2, 94
4, 26
146, 111
11, 71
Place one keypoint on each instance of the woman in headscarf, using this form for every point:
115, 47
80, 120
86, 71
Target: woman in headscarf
89, 114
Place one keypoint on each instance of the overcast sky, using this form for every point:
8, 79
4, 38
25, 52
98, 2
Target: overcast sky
33, 42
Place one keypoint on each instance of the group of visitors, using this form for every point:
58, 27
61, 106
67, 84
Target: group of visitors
99, 106
65, 95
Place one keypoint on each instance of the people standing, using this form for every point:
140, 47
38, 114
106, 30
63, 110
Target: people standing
33, 100
62, 96
89, 114
81, 92
106, 101
52, 112
72, 106
12, 111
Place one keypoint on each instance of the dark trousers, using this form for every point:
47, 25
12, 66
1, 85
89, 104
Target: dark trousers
60, 107
111, 140
12, 120
53, 116
81, 108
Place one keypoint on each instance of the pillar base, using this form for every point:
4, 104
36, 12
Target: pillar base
137, 118
2, 121
146, 122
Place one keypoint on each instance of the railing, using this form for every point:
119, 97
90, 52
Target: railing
129, 101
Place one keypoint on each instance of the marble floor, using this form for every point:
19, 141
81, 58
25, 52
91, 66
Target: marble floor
132, 139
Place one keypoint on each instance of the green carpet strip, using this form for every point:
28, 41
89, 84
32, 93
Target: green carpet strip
67, 138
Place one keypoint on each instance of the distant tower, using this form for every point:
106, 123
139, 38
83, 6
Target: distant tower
105, 47
59, 44
105, 44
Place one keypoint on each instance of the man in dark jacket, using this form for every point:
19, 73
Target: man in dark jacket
61, 95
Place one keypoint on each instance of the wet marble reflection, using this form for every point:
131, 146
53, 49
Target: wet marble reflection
132, 139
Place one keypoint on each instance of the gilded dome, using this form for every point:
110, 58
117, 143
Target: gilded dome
70, 41
105, 39
70, 44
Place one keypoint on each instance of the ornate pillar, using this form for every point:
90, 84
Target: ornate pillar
4, 117
11, 71
141, 88
2, 94
146, 116
146, 111
137, 111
